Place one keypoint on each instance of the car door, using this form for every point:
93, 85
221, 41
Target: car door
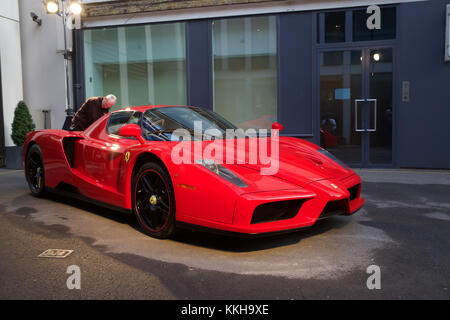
105, 149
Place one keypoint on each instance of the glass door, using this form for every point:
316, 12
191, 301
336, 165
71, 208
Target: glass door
356, 105
340, 85
380, 112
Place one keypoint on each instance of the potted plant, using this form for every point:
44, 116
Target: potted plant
22, 124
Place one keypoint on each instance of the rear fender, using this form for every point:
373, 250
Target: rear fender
56, 164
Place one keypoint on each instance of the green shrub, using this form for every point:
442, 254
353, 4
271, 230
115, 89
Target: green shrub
22, 124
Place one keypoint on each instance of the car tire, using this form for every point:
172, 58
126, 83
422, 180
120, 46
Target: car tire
153, 200
35, 172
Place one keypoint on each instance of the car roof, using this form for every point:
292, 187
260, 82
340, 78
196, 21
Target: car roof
144, 108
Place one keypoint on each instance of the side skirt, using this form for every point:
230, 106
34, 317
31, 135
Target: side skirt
87, 199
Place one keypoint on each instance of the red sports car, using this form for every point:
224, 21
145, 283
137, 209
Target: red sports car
125, 160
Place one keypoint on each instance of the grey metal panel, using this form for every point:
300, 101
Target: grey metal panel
199, 63
295, 109
423, 126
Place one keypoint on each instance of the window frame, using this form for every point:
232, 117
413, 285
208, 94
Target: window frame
116, 136
319, 26
80, 59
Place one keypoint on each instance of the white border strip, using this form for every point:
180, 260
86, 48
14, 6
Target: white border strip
229, 11
447, 35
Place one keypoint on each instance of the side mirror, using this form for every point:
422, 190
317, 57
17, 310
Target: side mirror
277, 126
131, 130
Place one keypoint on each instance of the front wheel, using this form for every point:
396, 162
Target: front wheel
154, 201
35, 171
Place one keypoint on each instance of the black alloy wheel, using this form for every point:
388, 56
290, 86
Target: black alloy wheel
35, 170
153, 201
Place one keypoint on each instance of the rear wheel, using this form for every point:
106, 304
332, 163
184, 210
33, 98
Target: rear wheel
35, 171
154, 201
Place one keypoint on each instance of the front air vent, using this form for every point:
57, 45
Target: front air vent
353, 192
334, 208
275, 211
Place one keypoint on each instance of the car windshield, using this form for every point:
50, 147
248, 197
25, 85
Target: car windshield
160, 123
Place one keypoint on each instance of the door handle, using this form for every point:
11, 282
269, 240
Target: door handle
374, 115
356, 115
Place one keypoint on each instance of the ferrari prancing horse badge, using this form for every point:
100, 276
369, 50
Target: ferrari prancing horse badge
127, 156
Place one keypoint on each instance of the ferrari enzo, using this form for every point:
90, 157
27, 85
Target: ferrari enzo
125, 161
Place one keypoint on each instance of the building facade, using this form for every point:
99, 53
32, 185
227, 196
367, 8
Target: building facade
43, 64
32, 66
374, 97
11, 90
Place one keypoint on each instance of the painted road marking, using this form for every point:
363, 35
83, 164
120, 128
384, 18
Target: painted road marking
55, 253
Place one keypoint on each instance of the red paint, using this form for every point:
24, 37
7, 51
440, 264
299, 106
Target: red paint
101, 172
132, 130
277, 126
329, 139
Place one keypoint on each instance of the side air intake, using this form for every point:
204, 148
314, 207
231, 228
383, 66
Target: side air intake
274, 211
69, 149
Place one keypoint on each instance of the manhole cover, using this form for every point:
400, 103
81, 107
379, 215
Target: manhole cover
55, 253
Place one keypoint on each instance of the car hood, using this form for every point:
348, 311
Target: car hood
299, 162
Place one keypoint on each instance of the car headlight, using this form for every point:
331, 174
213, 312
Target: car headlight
222, 172
332, 157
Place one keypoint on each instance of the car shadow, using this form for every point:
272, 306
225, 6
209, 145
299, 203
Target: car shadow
211, 240
231, 243
105, 212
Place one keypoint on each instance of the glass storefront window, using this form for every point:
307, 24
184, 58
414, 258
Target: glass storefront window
362, 33
334, 27
245, 70
141, 65
331, 26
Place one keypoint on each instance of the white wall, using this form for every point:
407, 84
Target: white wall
11, 65
43, 65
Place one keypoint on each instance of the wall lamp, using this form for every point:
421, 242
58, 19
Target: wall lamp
52, 7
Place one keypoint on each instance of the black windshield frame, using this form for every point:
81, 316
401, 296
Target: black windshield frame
155, 131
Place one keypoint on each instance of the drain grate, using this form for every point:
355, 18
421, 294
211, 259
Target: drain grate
55, 253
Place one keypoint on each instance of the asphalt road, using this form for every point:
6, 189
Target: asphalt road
403, 229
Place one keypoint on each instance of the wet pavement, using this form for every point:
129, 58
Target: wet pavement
403, 229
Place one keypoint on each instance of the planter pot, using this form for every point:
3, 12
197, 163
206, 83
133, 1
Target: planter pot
14, 157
